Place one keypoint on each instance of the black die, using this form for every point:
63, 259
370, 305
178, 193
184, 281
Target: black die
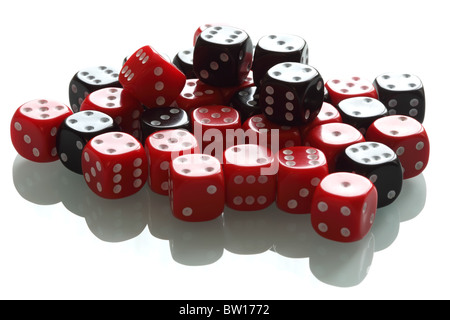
88, 80
379, 164
402, 94
163, 118
277, 48
291, 93
184, 60
76, 131
223, 56
246, 102
361, 112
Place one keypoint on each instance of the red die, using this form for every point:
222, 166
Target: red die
151, 79
197, 190
407, 137
215, 127
250, 177
197, 94
344, 207
162, 147
340, 89
327, 114
34, 126
300, 171
332, 139
119, 104
262, 132
114, 165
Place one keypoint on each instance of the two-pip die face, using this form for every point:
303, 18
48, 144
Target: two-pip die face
114, 165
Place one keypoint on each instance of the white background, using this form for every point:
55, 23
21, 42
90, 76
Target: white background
57, 240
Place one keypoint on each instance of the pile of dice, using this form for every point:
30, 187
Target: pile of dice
229, 124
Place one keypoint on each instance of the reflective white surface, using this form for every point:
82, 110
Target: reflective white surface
59, 240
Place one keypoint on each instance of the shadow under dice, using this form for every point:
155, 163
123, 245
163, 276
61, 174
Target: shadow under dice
114, 165
291, 93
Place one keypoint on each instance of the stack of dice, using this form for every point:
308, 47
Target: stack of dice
229, 124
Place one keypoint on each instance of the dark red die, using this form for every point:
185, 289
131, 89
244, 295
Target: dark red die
114, 165
215, 127
197, 190
327, 114
341, 89
151, 79
250, 177
260, 130
332, 139
34, 126
300, 171
407, 137
344, 207
120, 105
197, 94
162, 147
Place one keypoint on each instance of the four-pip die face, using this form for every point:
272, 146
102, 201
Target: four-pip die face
291, 93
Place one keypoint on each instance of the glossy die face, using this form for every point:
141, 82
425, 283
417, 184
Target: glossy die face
184, 60
407, 137
277, 48
246, 102
162, 147
91, 79
291, 93
197, 94
151, 79
75, 132
114, 165
343, 88
250, 177
197, 190
379, 164
343, 207
403, 94
361, 112
163, 118
120, 105
300, 171
223, 56
327, 114
34, 126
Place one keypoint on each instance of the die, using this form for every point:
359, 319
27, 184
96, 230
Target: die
76, 131
223, 56
361, 112
403, 94
197, 94
259, 130
197, 190
332, 139
327, 114
120, 105
343, 207
215, 128
34, 126
300, 171
407, 137
246, 102
114, 165
230, 91
161, 148
277, 48
163, 118
250, 177
343, 88
291, 93
203, 27
151, 79
379, 164
184, 60
91, 79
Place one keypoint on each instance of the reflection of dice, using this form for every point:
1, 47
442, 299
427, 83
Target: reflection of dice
403, 94
34, 126
344, 207
407, 137
114, 165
